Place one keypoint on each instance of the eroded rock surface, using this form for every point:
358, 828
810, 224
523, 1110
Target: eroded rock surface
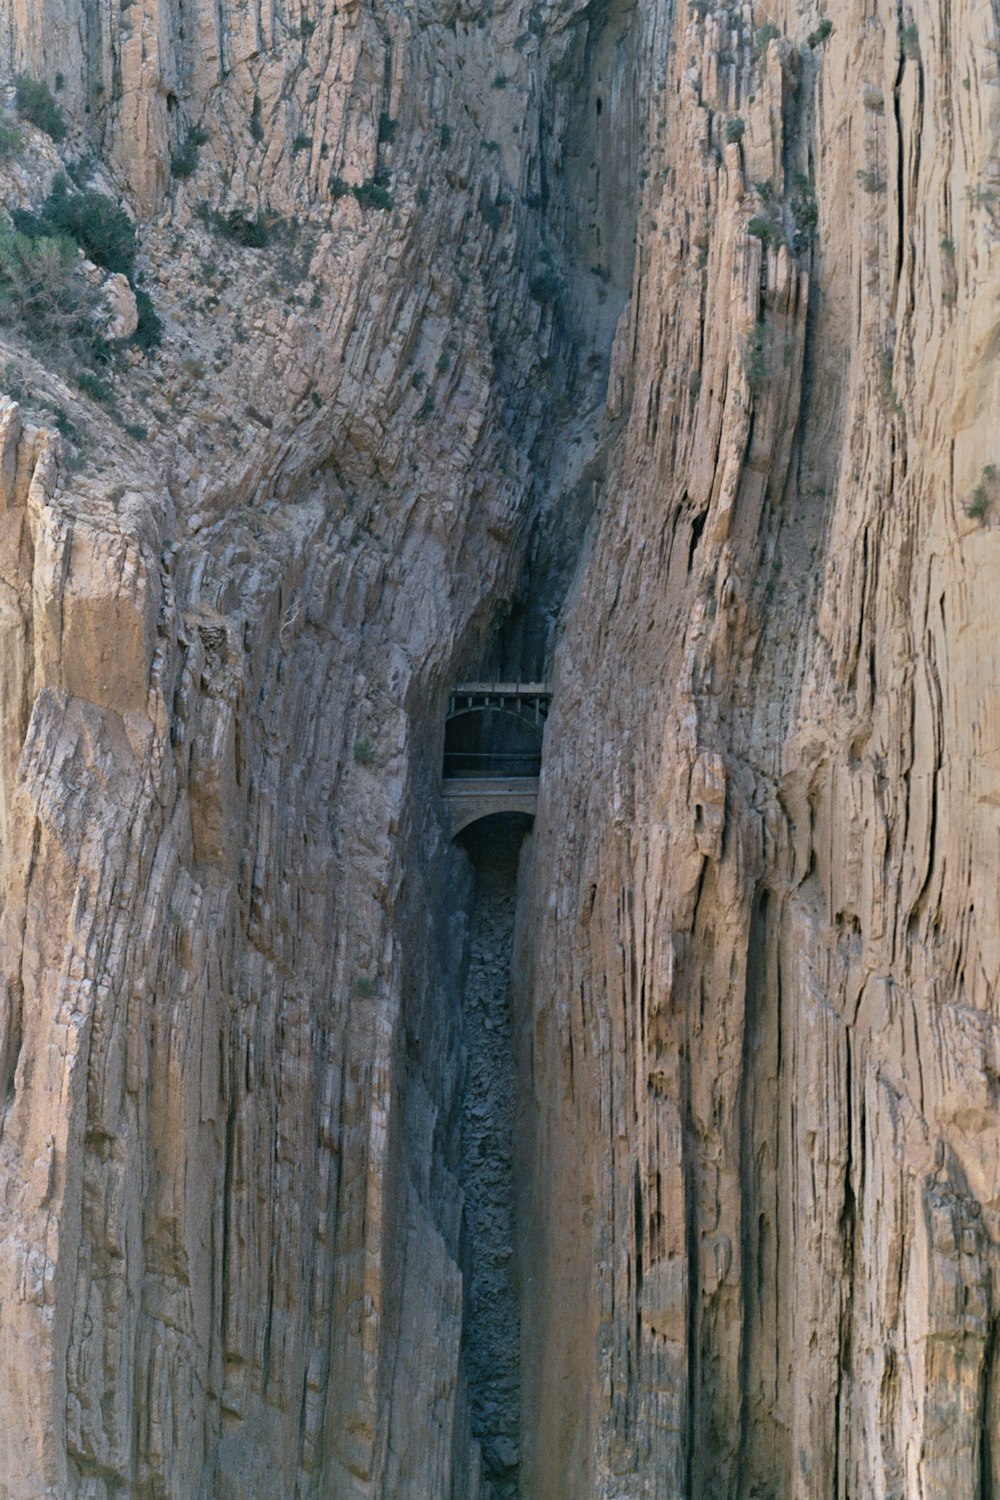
690, 310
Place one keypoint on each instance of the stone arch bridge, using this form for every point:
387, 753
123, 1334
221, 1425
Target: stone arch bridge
493, 749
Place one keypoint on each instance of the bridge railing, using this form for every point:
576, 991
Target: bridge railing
486, 763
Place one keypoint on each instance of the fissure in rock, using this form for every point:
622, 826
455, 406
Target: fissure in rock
491, 1331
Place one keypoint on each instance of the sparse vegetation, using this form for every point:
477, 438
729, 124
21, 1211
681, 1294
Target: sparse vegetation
501, 81
764, 230
364, 752
92, 385
256, 123
890, 400
870, 181
92, 220
445, 137
364, 987
909, 41
41, 295
339, 188
149, 331
374, 192
36, 103
980, 502
302, 143
184, 161
10, 139
735, 130
387, 128
755, 361
819, 36
764, 36
239, 229
546, 285
805, 212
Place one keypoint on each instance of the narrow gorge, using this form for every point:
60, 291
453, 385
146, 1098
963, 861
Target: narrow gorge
635, 1135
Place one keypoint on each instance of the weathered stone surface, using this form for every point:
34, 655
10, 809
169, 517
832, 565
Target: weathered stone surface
757, 1137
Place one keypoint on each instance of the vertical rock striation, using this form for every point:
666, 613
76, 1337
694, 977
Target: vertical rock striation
759, 1010
678, 318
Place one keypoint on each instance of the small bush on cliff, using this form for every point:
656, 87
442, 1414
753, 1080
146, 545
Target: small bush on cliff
149, 330
364, 753
184, 161
10, 139
764, 36
982, 497
251, 234
104, 232
374, 192
819, 36
41, 294
35, 101
546, 286
735, 130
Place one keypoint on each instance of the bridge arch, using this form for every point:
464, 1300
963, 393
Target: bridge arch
493, 750
495, 730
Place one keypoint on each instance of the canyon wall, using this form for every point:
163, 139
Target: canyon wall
759, 1003
659, 340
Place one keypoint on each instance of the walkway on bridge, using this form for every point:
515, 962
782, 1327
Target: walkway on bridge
493, 749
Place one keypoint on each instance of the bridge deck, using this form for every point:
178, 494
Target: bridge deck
472, 797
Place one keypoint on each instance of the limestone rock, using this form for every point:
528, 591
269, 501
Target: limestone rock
639, 342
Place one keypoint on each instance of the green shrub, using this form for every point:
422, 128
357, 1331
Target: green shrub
755, 362
40, 293
373, 193
978, 503
818, 37
94, 387
364, 987
870, 181
764, 36
445, 137
364, 752
339, 188
302, 143
805, 212
135, 430
735, 130
909, 40
762, 229
256, 124
104, 232
306, 28
149, 330
251, 234
10, 139
546, 285
501, 81
982, 497
184, 161
36, 103
387, 128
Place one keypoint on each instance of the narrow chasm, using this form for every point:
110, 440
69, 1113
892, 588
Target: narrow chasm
491, 1327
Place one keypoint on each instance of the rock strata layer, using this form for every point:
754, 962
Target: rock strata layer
675, 321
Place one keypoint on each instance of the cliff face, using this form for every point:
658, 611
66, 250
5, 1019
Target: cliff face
760, 1014
696, 306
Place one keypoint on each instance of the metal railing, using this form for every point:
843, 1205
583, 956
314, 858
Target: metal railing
474, 763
